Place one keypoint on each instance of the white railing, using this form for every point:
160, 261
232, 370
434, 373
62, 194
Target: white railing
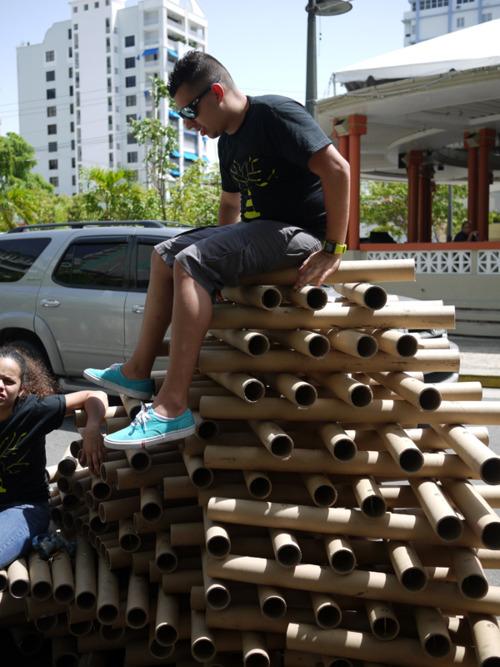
479, 262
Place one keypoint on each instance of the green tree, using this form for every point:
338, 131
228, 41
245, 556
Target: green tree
384, 208
194, 197
160, 141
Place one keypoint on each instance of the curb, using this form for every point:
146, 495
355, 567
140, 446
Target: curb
491, 381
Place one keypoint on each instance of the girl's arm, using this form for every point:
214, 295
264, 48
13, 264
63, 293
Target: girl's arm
94, 403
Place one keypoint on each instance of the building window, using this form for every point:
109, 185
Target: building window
50, 75
131, 139
72, 126
71, 91
51, 111
111, 160
50, 56
72, 144
108, 25
75, 9
130, 40
85, 8
76, 41
52, 164
110, 122
460, 22
72, 108
51, 129
132, 156
52, 147
75, 26
151, 57
96, 5
129, 81
51, 93
73, 180
109, 85
70, 72
73, 162
69, 33
129, 63
110, 140
486, 17
130, 100
70, 52
53, 180
131, 117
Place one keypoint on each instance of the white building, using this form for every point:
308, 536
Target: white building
92, 74
431, 18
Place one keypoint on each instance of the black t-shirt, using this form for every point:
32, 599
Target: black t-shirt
266, 161
22, 448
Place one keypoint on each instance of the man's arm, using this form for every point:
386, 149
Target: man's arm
229, 207
333, 171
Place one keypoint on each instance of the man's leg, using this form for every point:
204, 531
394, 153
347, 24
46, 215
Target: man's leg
192, 312
157, 317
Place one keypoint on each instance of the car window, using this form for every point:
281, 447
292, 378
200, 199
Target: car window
17, 256
144, 250
93, 264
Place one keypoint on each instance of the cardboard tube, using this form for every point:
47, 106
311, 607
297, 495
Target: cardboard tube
286, 548
265, 297
486, 636
151, 503
274, 439
107, 594
130, 479
132, 406
114, 424
392, 316
200, 475
340, 554
181, 581
108, 469
351, 271
170, 515
166, 630
128, 538
383, 622
368, 497
217, 593
309, 296
271, 601
407, 566
293, 388
64, 652
396, 342
321, 490
443, 519
362, 646
344, 387
364, 294
471, 450
246, 387
480, 517
419, 394
327, 612
258, 484
137, 609
178, 488
253, 343
100, 489
467, 568
63, 585
325, 520
309, 343
217, 540
402, 449
165, 556
338, 443
39, 577
120, 508
202, 639
354, 343
254, 650
474, 412
85, 575
432, 632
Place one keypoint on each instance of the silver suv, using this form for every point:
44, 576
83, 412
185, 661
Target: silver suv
74, 294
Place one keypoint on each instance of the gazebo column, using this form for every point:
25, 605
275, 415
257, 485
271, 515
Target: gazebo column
424, 215
471, 144
349, 131
486, 143
413, 162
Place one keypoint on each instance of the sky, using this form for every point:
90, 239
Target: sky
261, 42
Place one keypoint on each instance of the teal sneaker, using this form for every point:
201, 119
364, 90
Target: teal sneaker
112, 378
149, 428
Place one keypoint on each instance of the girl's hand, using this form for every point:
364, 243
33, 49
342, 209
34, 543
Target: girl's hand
317, 268
92, 453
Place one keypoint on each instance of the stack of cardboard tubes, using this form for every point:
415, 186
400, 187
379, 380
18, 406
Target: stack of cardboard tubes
326, 512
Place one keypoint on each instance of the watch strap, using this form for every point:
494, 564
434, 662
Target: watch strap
334, 248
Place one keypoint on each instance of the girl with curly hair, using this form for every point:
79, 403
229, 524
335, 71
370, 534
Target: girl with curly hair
29, 410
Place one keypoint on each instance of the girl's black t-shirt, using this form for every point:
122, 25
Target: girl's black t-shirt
266, 161
22, 448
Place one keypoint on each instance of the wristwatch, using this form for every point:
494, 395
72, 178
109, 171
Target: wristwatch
334, 248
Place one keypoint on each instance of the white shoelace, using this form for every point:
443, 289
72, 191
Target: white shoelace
142, 416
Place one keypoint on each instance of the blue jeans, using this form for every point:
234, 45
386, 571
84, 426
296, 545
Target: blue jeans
18, 525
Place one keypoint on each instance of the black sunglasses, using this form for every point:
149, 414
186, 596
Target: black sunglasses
190, 111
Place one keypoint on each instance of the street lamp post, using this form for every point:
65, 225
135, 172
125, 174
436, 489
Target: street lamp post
318, 8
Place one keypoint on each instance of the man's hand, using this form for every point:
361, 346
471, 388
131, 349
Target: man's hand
92, 453
316, 269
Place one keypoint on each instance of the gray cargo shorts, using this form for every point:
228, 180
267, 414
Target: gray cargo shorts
219, 256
